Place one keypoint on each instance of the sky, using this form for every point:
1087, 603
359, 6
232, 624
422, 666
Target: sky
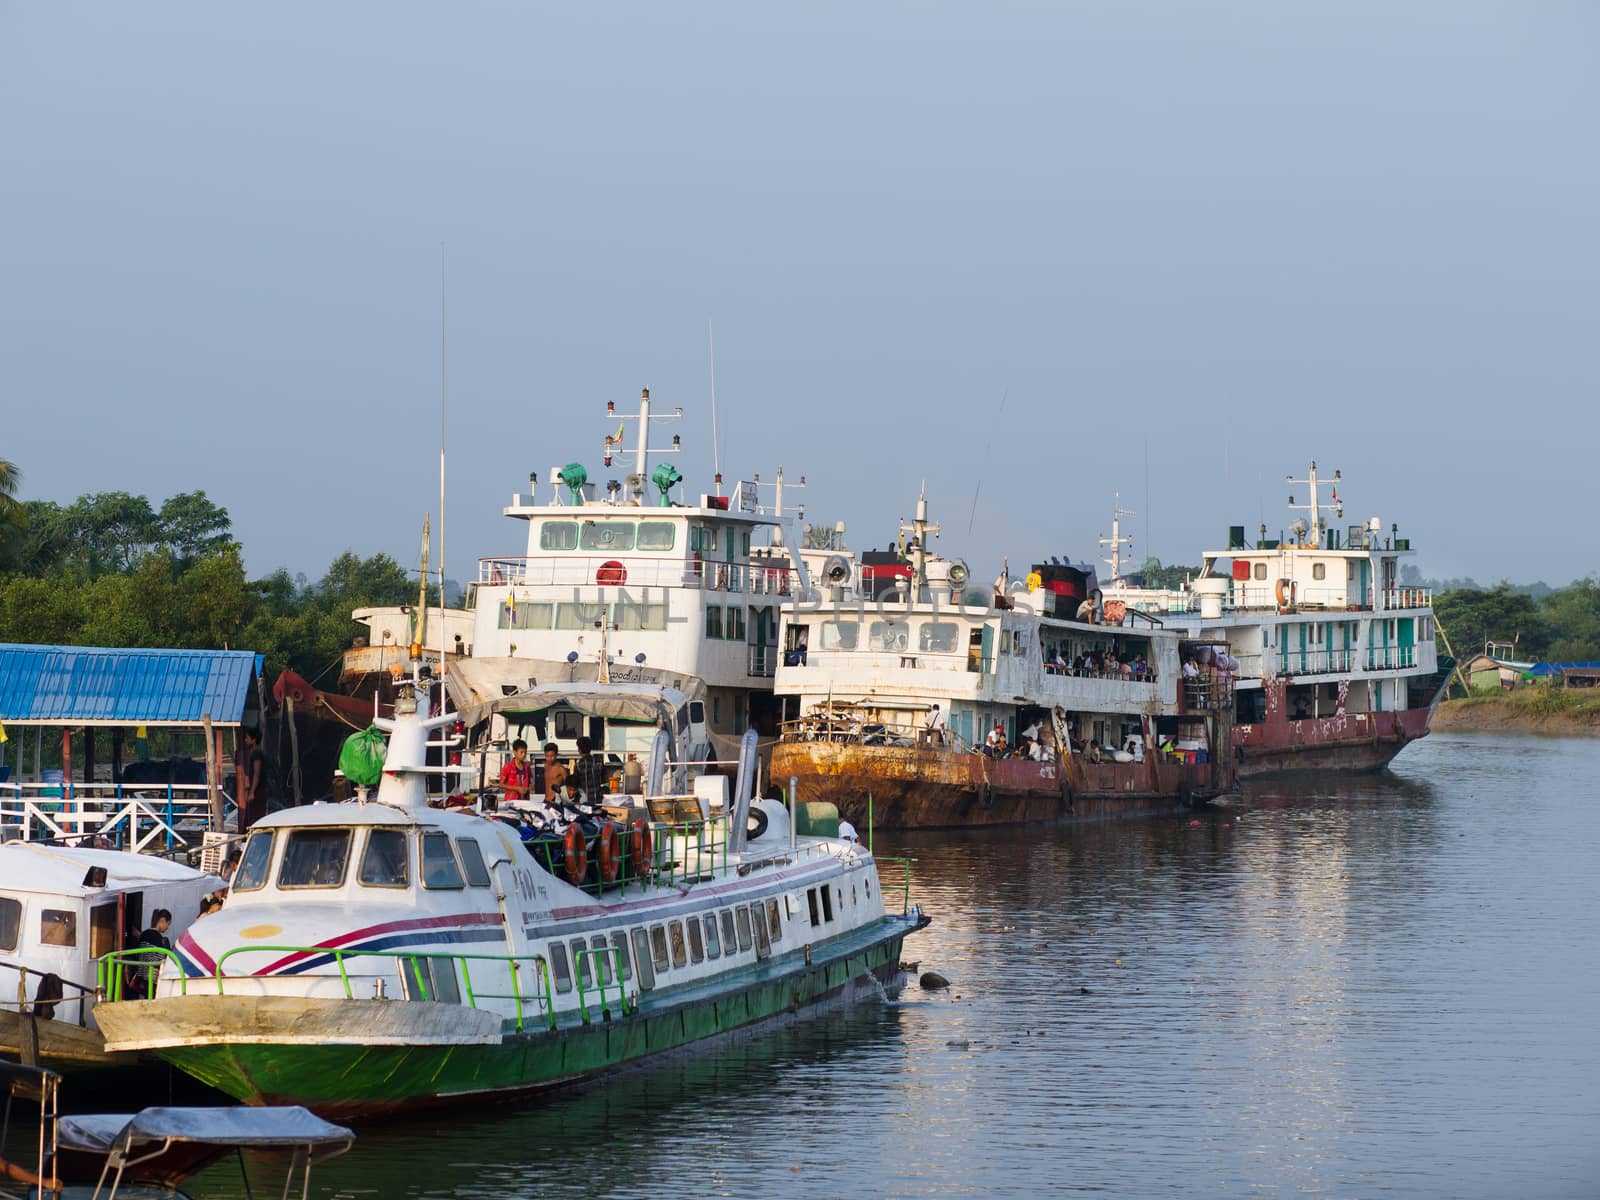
1033, 255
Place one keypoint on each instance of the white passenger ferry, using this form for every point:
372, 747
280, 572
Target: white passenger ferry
916, 700
383, 954
1337, 659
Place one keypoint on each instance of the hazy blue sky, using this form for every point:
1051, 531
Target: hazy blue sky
1241, 235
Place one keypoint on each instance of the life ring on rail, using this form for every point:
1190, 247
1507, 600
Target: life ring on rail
640, 848
575, 848
1285, 593
610, 850
611, 573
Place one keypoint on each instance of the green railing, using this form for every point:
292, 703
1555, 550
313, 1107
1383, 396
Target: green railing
905, 889
677, 852
605, 973
111, 973
115, 968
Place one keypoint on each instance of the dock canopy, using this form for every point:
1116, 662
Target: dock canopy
92, 685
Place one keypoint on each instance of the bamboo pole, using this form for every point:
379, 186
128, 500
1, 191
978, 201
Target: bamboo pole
213, 786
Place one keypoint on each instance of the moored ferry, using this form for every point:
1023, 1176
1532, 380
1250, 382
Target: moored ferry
917, 701
383, 954
1338, 666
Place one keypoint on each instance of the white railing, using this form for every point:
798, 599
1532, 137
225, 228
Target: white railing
763, 661
1391, 658
1408, 597
636, 571
1316, 662
135, 817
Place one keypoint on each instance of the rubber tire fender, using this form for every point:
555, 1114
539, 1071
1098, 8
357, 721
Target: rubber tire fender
986, 796
756, 825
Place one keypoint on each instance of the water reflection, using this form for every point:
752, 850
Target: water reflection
1340, 987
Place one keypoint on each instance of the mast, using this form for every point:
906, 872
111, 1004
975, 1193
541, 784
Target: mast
1116, 541
1314, 533
919, 529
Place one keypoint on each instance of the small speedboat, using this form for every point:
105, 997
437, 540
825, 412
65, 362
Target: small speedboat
108, 1155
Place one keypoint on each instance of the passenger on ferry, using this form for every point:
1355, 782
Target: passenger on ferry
589, 773
1086, 610
1190, 671
1094, 751
847, 832
555, 775
935, 724
516, 777
156, 935
995, 743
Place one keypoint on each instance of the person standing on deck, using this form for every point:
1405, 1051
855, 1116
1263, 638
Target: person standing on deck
935, 724
516, 777
555, 775
251, 780
589, 773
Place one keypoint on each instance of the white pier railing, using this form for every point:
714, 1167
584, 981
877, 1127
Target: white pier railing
139, 817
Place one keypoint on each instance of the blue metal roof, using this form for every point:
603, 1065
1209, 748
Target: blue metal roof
1538, 670
65, 685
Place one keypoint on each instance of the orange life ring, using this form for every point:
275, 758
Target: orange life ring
640, 848
576, 849
610, 846
1285, 593
611, 574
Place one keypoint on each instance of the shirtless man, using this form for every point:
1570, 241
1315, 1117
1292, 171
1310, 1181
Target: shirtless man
555, 775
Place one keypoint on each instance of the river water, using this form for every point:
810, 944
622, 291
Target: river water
1346, 987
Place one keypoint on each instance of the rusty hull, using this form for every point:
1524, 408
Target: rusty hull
915, 787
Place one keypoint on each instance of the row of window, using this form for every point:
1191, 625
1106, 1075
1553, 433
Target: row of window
933, 637
319, 858
621, 537
629, 616
607, 537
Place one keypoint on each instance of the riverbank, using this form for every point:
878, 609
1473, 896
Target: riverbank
1554, 712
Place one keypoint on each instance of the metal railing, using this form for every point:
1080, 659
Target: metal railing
1408, 597
1315, 662
763, 660
115, 966
637, 571
905, 892
1391, 658
23, 1005
607, 964
131, 816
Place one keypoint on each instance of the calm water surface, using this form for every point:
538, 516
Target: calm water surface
1380, 986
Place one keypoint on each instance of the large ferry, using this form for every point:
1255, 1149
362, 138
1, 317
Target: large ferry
1337, 660
383, 954
632, 580
915, 700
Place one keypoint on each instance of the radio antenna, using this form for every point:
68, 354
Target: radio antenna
716, 456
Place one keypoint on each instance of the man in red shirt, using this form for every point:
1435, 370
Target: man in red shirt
516, 777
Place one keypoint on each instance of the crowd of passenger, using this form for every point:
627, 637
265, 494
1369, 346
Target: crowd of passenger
1100, 664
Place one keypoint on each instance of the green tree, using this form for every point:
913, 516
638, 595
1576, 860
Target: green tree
13, 513
1501, 614
191, 526
1572, 615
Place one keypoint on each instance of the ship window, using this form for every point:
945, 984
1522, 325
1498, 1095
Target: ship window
558, 535
763, 942
641, 955
569, 724
386, 861
606, 536
735, 626
580, 963
656, 535
741, 916
526, 614
838, 635
744, 544
252, 873
728, 938
472, 862
602, 957
938, 637
774, 920
10, 922
439, 868
680, 955
713, 946
314, 858
713, 620
1319, 570
887, 635
697, 942
619, 943
811, 900
658, 946
559, 968
1261, 570
827, 903
634, 617
697, 711
441, 976
579, 616
58, 927
102, 929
